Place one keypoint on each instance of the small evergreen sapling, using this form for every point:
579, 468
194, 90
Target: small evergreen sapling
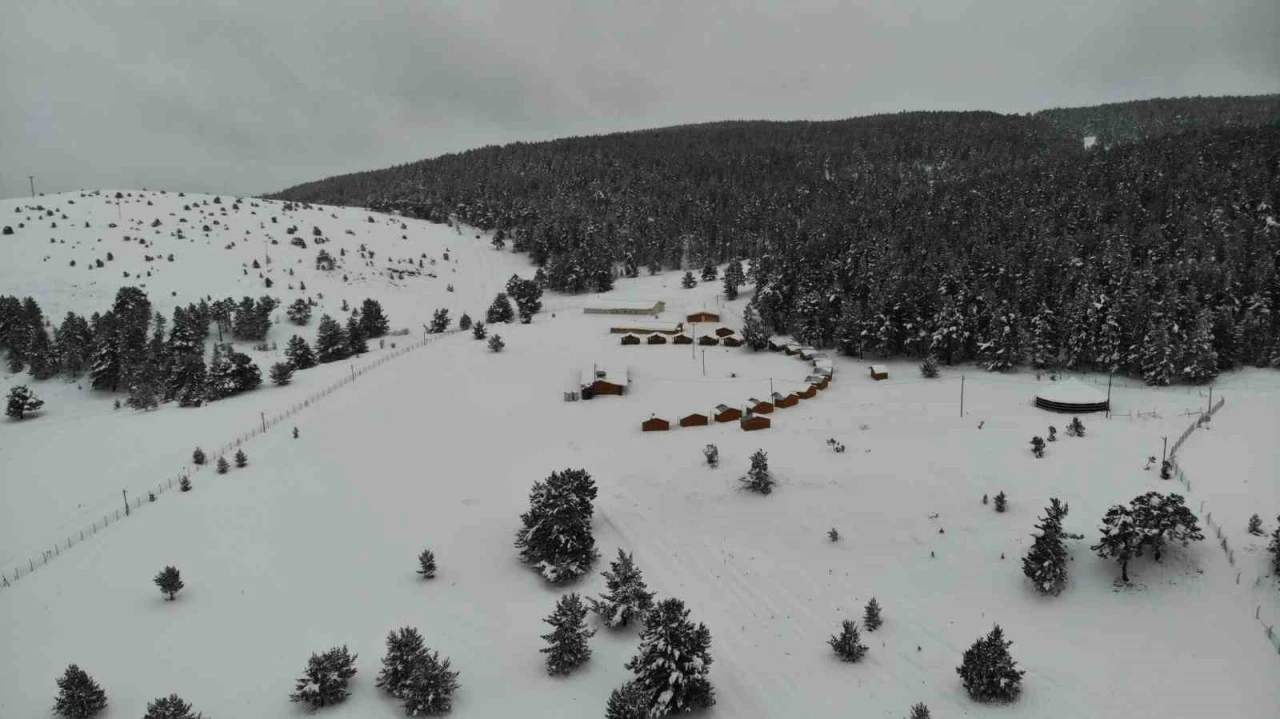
758, 478
198, 456
223, 466
712, 453
169, 581
929, 368
170, 707
325, 680
833, 535
404, 651
427, 564
1001, 502
919, 711
242, 459
295, 432
568, 639
79, 696
464, 322
1046, 562
1255, 525
848, 644
988, 671
439, 321
478, 331
21, 400
1053, 433
627, 597
1075, 428
871, 616
496, 344
184, 484
688, 281
1037, 446
281, 373
430, 687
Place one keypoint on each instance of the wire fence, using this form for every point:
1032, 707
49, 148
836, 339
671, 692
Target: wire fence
15, 572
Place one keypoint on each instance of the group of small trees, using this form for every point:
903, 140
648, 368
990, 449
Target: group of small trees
417, 675
848, 643
1150, 520
80, 697
527, 295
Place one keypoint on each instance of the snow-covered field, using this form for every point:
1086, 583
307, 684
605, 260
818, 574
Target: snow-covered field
314, 544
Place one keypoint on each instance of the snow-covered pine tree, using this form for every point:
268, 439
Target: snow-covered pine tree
496, 344
464, 322
929, 368
1042, 339
20, 402
712, 455
1164, 517
1122, 539
325, 680
299, 354
222, 465
688, 281
299, 312
198, 456
673, 661
404, 651
1046, 562
629, 701
871, 616
429, 689
758, 478
919, 711
1001, 346
439, 321
1037, 446
754, 332
988, 671
847, 644
281, 373
427, 564
567, 641
357, 343
1156, 358
556, 534
1001, 501
478, 331
170, 707
627, 597
1255, 526
500, 310
1075, 428
242, 459
710, 273
1274, 549
373, 321
331, 341
79, 696
1199, 361
184, 484
169, 581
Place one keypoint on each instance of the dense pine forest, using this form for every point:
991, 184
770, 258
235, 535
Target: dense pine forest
1153, 249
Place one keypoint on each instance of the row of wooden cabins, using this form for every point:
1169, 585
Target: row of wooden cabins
723, 336
752, 419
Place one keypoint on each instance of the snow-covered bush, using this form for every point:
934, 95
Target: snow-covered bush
427, 564
871, 616
79, 696
325, 680
170, 581
988, 671
847, 644
758, 478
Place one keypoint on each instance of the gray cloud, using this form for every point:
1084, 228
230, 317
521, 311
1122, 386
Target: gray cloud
247, 96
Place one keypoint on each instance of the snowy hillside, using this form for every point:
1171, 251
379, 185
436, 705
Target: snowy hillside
314, 543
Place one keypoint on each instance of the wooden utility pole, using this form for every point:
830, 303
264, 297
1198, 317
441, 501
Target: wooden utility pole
961, 395
1164, 453
125, 493
264, 420
32, 179
1109, 395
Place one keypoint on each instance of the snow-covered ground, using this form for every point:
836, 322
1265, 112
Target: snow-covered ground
314, 544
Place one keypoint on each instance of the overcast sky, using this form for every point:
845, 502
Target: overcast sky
247, 97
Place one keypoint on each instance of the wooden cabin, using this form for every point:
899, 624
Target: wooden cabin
724, 331
808, 392
752, 422
792, 348
630, 339
731, 341
708, 340
816, 380
807, 353
696, 419
682, 339
782, 401
703, 316
879, 371
603, 382
725, 413
655, 424
656, 339
757, 406
777, 345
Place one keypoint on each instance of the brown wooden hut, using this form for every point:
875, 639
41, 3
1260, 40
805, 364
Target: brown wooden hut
723, 331
696, 419
781, 401
776, 344
808, 392
725, 413
708, 340
731, 341
682, 339
703, 316
879, 371
656, 339
759, 406
630, 339
655, 424
752, 422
